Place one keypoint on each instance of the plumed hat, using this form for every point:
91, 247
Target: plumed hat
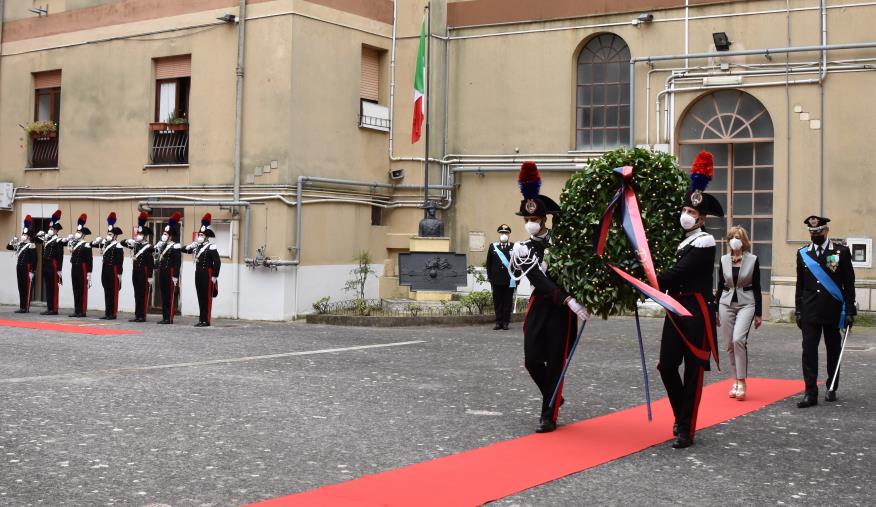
533, 203
205, 226
701, 173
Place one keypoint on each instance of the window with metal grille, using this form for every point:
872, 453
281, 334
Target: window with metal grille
47, 108
603, 94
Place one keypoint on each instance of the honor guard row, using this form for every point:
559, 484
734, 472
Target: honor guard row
166, 254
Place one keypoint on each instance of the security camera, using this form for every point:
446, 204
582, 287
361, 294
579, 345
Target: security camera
397, 174
645, 17
228, 18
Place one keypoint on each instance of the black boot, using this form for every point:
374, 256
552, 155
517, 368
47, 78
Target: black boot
682, 442
830, 396
497, 326
546, 425
505, 326
809, 400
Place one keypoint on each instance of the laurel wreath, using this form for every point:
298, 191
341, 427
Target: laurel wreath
660, 187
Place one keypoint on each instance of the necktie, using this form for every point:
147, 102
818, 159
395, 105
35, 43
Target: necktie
819, 252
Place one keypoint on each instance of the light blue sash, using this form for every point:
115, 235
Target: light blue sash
506, 263
826, 281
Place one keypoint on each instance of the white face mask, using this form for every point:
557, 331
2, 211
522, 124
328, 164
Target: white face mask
735, 244
503, 238
164, 237
687, 221
24, 238
139, 237
109, 237
532, 228
200, 239
50, 232
78, 235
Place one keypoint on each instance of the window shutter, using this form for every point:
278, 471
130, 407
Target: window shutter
50, 79
173, 67
370, 74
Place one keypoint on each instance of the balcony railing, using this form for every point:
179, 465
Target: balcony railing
44, 152
170, 145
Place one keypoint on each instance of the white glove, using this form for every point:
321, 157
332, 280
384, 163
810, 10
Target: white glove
30, 275
88, 277
214, 279
579, 310
41, 234
519, 250
69, 237
175, 280
130, 243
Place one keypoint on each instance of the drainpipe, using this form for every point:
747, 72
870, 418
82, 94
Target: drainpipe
238, 106
821, 107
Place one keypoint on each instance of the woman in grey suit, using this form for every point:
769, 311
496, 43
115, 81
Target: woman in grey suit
740, 304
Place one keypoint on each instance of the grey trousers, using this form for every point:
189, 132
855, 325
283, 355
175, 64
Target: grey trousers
736, 323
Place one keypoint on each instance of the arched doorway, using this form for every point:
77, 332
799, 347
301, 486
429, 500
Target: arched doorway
737, 129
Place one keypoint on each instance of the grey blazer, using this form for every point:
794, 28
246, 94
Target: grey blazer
746, 276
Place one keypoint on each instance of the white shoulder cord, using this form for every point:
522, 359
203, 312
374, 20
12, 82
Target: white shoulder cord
523, 263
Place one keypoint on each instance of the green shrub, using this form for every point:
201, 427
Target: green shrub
321, 305
477, 301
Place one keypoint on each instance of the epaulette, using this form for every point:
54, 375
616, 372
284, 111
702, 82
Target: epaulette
704, 241
212, 247
177, 246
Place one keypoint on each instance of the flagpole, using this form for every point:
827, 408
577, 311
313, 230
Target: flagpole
426, 105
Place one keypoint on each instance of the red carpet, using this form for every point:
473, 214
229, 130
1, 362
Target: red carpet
65, 328
502, 469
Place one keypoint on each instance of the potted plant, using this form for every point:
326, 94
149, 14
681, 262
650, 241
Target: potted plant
42, 129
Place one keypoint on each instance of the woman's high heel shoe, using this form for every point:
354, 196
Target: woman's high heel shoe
734, 389
740, 391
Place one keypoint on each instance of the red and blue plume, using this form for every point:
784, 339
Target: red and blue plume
28, 221
141, 220
701, 171
82, 218
529, 180
174, 219
56, 216
111, 219
206, 220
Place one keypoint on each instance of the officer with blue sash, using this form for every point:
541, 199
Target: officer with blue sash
499, 276
824, 303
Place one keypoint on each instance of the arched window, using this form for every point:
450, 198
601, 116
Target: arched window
603, 94
737, 129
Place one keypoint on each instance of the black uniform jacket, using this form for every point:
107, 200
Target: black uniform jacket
690, 276
497, 273
812, 302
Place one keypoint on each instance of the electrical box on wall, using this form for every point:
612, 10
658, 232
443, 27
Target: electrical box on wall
6, 193
862, 252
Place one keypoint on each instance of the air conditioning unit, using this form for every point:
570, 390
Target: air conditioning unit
6, 193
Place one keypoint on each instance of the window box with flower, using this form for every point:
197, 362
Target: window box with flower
41, 130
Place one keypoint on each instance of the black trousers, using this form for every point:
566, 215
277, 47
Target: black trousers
51, 277
204, 288
684, 391
24, 285
503, 302
833, 342
79, 283
547, 336
140, 280
168, 293
109, 278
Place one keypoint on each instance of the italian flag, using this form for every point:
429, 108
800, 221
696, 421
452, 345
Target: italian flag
419, 88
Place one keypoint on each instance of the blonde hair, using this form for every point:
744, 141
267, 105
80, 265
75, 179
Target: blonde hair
743, 236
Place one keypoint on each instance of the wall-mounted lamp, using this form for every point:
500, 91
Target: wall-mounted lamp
228, 18
722, 42
645, 17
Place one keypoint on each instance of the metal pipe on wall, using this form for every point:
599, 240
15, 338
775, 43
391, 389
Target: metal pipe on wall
238, 101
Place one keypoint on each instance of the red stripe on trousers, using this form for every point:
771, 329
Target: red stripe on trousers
565, 358
210, 295
696, 407
57, 271
115, 291
172, 292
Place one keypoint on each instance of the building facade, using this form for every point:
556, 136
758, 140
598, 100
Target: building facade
145, 97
